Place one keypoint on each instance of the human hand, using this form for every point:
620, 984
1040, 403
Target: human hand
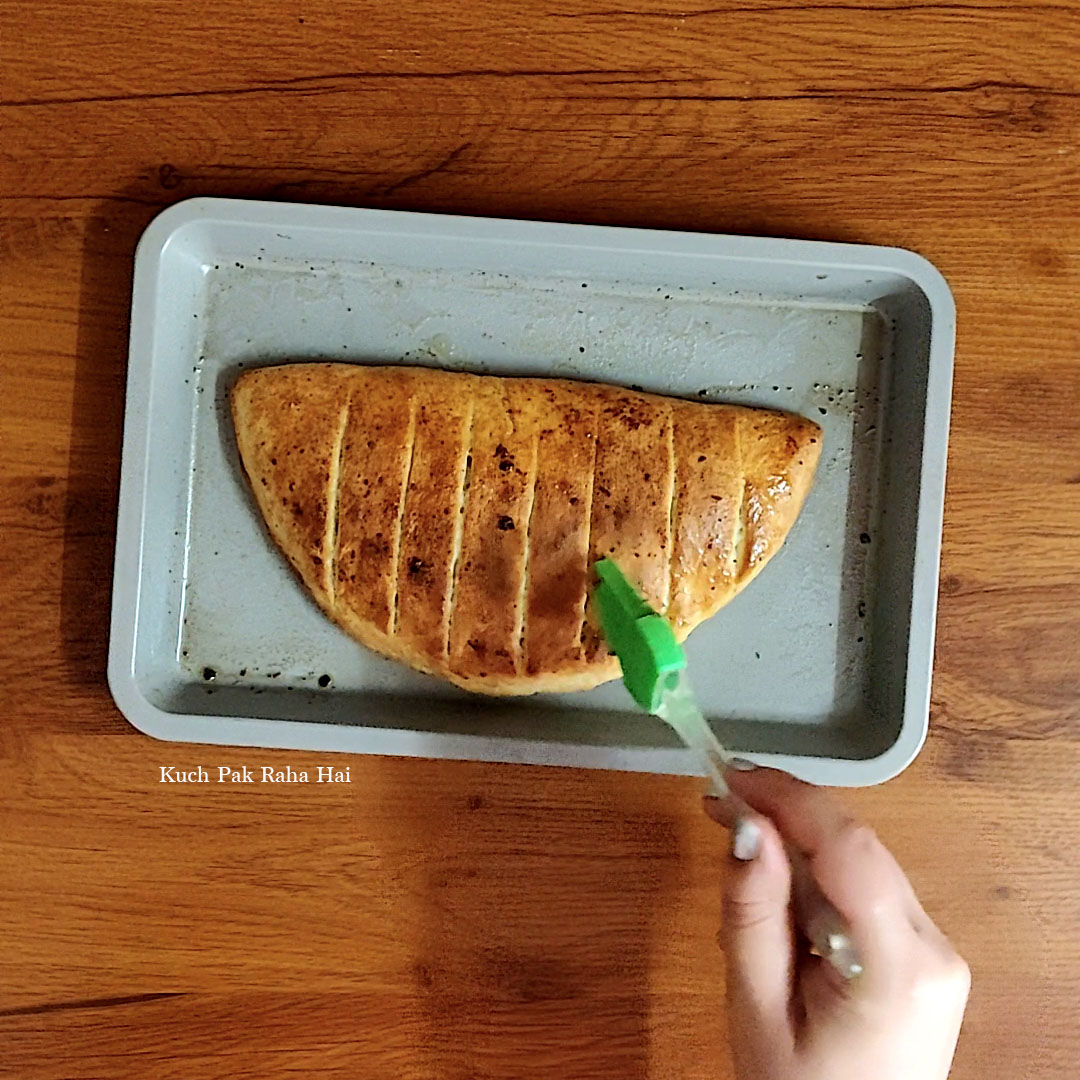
791, 1016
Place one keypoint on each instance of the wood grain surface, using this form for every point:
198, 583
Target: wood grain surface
465, 921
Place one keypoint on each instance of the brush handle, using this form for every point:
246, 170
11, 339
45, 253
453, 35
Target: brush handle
817, 919
820, 923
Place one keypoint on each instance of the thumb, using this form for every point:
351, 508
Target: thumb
756, 937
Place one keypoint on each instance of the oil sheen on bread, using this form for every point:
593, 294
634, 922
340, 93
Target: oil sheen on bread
451, 521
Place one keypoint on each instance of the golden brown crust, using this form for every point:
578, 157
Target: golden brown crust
778, 456
434, 505
289, 422
632, 488
449, 521
708, 497
375, 457
562, 512
485, 635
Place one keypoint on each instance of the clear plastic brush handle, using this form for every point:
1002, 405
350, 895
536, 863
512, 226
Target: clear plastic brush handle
823, 926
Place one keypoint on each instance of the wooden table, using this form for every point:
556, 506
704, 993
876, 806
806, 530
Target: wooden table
466, 921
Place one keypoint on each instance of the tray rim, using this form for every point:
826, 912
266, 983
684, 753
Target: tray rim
305, 735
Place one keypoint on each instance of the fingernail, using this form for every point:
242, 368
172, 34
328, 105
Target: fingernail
740, 764
745, 840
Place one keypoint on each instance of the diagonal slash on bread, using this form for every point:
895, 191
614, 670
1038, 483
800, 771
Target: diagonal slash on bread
451, 521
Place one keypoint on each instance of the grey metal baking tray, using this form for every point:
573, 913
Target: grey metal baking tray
821, 667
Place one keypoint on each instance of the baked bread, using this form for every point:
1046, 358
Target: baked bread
451, 521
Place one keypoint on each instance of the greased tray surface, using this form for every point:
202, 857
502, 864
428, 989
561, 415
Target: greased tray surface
822, 666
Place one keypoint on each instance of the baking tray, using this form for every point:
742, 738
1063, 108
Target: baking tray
821, 667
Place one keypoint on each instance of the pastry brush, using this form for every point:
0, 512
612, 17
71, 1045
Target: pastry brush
654, 671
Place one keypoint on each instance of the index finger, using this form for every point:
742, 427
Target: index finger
820, 826
806, 816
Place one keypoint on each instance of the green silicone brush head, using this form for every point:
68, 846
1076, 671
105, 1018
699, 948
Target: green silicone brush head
643, 640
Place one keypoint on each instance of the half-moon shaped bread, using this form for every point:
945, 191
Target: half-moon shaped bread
451, 521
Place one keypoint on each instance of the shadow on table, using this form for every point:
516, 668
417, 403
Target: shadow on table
111, 232
533, 949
